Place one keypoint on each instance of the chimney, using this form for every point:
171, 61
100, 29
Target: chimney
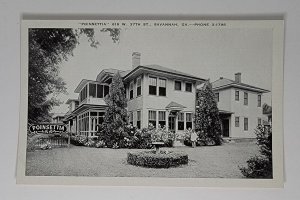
136, 59
238, 77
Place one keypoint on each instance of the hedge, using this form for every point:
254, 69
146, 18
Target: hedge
163, 159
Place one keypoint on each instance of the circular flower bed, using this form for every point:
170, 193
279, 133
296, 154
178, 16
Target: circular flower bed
163, 159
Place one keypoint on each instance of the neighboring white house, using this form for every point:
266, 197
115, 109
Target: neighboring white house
156, 95
58, 117
240, 106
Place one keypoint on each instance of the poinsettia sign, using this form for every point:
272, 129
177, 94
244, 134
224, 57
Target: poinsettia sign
48, 128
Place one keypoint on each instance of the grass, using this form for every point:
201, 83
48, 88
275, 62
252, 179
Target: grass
204, 162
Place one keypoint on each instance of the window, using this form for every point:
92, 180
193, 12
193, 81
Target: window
106, 90
152, 85
139, 86
259, 100
259, 121
131, 90
189, 123
245, 98
83, 93
237, 95
162, 87
180, 121
245, 124
152, 117
217, 97
131, 118
188, 87
162, 118
237, 121
178, 85
138, 119
99, 91
92, 90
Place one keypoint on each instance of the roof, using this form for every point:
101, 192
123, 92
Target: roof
114, 71
164, 70
223, 83
174, 106
82, 83
70, 100
225, 112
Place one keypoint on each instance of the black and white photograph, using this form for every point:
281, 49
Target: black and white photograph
154, 100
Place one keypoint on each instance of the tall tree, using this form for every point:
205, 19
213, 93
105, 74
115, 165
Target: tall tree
47, 49
207, 121
115, 119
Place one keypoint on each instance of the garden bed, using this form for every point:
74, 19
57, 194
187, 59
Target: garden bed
164, 159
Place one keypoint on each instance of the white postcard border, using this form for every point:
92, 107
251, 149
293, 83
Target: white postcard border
277, 111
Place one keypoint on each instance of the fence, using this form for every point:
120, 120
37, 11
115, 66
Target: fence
54, 142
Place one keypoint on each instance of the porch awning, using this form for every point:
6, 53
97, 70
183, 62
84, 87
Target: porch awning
225, 112
175, 106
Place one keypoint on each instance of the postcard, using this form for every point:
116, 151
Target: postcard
151, 103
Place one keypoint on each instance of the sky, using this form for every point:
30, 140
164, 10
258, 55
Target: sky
207, 53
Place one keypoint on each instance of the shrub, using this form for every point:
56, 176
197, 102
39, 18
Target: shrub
100, 144
78, 140
162, 135
164, 159
46, 146
261, 166
90, 142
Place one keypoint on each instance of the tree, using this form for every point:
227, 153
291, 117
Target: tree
207, 121
115, 118
47, 49
261, 166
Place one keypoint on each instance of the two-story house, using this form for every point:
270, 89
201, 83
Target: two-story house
240, 107
155, 94
165, 97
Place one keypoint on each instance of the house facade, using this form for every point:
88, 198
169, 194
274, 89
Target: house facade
240, 107
155, 95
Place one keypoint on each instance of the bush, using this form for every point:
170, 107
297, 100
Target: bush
261, 166
164, 159
100, 144
258, 167
162, 135
78, 140
90, 142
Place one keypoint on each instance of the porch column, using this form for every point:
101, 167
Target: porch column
89, 132
176, 123
167, 120
69, 126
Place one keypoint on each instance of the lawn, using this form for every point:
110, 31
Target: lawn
204, 162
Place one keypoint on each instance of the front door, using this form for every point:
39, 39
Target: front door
225, 127
172, 123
